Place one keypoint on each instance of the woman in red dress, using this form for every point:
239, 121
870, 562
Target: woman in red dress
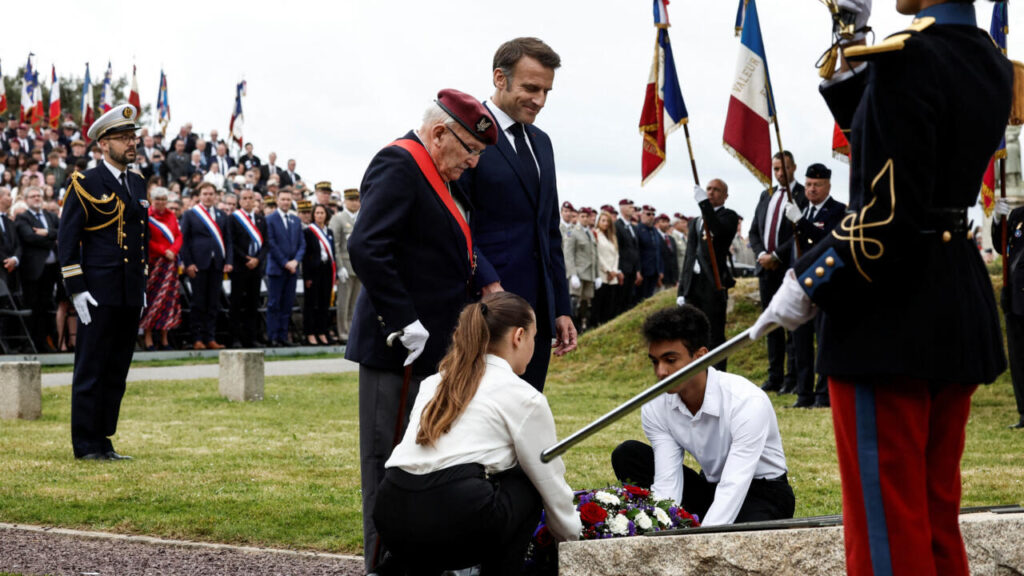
163, 310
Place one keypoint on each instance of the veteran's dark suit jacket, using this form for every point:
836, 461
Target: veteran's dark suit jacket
35, 248
240, 241
811, 231
411, 256
516, 228
1013, 291
900, 296
200, 247
722, 223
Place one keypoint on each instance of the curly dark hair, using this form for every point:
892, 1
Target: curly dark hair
686, 323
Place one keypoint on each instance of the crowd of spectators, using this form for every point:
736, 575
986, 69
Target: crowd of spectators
36, 166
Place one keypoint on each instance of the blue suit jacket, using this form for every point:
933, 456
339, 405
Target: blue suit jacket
516, 231
650, 251
411, 256
284, 244
199, 246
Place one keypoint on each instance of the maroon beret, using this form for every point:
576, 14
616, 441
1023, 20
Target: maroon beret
469, 113
648, 208
661, 217
587, 210
609, 208
568, 205
625, 202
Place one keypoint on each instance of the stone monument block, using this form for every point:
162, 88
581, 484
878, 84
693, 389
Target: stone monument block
241, 375
21, 391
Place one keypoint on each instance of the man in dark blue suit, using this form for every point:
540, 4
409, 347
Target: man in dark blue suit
206, 254
515, 200
1012, 298
248, 235
813, 223
651, 267
104, 235
413, 251
287, 246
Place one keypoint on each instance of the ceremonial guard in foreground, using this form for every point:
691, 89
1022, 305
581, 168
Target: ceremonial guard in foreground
414, 253
910, 325
1013, 295
102, 245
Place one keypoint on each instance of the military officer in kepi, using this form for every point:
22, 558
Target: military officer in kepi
102, 248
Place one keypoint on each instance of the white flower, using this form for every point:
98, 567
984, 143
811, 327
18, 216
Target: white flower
662, 516
642, 521
618, 525
606, 498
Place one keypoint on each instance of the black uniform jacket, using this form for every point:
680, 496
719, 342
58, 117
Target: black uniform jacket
410, 254
722, 224
1013, 291
104, 233
904, 290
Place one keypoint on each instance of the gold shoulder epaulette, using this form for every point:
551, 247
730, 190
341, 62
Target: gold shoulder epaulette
891, 44
136, 171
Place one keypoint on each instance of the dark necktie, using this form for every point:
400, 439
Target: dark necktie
3, 227
42, 220
814, 210
527, 164
124, 186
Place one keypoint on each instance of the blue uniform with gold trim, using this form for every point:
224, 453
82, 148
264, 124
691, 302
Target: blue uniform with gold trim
102, 244
910, 326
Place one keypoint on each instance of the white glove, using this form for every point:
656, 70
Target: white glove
574, 282
790, 307
699, 194
793, 212
598, 283
1002, 208
342, 274
414, 338
680, 300
81, 302
862, 10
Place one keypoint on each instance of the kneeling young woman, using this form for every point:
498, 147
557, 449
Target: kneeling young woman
466, 485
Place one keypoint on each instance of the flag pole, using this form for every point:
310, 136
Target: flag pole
785, 168
1002, 194
708, 236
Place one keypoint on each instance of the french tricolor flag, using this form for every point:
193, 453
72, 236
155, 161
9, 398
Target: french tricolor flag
751, 105
664, 109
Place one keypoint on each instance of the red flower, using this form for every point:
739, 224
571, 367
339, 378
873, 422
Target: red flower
543, 537
592, 513
636, 490
684, 515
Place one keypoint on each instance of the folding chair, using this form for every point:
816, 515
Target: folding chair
9, 311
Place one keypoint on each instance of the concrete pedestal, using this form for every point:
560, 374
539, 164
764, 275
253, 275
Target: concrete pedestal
241, 375
21, 394
994, 542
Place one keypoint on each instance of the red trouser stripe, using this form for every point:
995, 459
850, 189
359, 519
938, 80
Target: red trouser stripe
899, 443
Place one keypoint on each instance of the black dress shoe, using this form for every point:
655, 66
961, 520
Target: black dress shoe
770, 386
273, 344
799, 404
822, 404
1017, 426
787, 390
94, 456
115, 456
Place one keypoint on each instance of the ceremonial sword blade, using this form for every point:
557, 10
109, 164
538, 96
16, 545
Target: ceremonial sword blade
737, 343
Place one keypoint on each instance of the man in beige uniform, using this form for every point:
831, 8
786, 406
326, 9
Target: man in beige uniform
580, 250
341, 225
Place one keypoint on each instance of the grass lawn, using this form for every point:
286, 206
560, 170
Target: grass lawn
284, 472
57, 368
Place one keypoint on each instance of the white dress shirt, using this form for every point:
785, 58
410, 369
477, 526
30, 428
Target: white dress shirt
506, 422
505, 122
734, 436
607, 259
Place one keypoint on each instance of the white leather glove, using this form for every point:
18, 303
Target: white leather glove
862, 10
699, 194
1002, 208
790, 307
343, 275
680, 300
793, 212
414, 338
574, 282
81, 302
598, 283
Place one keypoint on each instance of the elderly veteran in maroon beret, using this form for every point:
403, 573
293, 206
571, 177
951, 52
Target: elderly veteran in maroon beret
415, 255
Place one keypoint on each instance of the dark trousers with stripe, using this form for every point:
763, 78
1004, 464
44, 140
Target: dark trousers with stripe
899, 443
245, 304
103, 355
316, 300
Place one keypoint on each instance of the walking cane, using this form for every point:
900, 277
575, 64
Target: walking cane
406, 378
737, 343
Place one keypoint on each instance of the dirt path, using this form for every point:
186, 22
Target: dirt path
31, 550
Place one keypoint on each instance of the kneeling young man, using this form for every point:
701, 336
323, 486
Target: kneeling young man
726, 422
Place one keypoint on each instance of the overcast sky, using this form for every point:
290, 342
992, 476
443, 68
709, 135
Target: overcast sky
329, 84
